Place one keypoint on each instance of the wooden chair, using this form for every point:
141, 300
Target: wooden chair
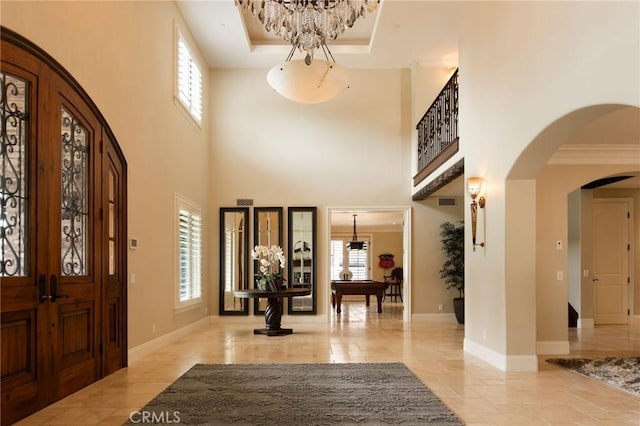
394, 282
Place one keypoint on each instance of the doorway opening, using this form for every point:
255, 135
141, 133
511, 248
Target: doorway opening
384, 231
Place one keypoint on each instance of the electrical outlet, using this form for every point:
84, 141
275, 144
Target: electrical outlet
133, 278
559, 276
559, 245
440, 307
153, 328
585, 273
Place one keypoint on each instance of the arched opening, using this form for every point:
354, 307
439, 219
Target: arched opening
585, 145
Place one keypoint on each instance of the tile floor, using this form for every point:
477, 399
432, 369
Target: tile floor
478, 393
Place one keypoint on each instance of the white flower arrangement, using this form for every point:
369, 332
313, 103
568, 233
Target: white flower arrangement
271, 260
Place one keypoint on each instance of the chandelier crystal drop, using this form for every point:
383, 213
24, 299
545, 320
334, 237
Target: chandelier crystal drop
308, 24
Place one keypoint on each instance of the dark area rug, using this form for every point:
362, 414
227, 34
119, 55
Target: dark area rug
622, 373
298, 394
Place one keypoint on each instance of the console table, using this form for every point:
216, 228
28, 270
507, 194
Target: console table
360, 287
273, 311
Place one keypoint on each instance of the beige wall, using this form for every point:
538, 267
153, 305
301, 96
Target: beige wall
350, 152
517, 80
385, 242
122, 55
429, 289
634, 265
554, 184
524, 67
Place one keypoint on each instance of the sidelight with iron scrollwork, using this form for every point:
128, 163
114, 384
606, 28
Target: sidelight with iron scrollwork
14, 195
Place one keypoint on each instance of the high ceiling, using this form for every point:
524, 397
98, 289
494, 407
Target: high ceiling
398, 34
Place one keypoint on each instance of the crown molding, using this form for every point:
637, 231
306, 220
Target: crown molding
596, 154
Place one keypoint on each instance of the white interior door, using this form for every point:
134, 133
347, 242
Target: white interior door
610, 261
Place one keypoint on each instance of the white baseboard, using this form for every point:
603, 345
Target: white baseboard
501, 361
441, 317
560, 347
140, 351
585, 323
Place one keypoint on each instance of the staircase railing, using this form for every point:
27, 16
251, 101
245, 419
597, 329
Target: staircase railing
438, 131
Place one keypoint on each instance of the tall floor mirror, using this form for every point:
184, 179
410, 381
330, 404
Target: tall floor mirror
267, 231
234, 259
302, 258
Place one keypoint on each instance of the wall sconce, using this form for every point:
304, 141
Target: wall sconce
474, 185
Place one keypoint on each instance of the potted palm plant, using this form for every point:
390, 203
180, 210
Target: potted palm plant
452, 272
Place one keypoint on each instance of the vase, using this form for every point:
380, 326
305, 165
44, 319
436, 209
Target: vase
269, 284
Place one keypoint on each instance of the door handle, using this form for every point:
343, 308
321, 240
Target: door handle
42, 288
54, 289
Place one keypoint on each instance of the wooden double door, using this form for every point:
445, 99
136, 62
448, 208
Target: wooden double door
63, 228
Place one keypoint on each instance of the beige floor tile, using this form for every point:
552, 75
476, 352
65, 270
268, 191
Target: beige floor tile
474, 390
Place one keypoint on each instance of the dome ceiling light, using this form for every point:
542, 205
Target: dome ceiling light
307, 25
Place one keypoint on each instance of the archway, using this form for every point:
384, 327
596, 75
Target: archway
584, 145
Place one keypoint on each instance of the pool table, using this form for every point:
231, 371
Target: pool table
358, 287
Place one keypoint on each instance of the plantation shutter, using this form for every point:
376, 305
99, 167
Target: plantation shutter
358, 260
190, 242
337, 258
189, 80
358, 263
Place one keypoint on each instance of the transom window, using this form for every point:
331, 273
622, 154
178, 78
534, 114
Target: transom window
188, 79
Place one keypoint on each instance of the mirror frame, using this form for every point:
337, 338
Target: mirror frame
256, 238
245, 256
290, 258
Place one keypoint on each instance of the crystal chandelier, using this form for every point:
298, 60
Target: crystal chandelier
308, 24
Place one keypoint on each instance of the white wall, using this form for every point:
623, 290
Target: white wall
522, 67
122, 55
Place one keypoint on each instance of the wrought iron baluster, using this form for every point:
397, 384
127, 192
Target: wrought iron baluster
438, 128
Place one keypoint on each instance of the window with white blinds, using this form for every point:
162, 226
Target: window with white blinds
337, 258
359, 263
358, 260
188, 79
189, 245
